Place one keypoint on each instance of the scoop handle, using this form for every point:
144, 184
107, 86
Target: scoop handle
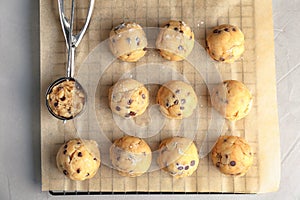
72, 41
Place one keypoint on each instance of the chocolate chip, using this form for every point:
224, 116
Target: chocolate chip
145, 49
79, 154
225, 140
177, 91
137, 39
55, 104
180, 168
234, 29
222, 59
226, 156
175, 29
180, 47
167, 25
226, 29
63, 98
174, 96
176, 102
78, 143
143, 96
193, 162
95, 159
132, 113
65, 172
181, 31
118, 108
87, 174
128, 54
66, 146
219, 31
129, 101
65, 151
179, 114
186, 167
215, 31
232, 163
182, 101
167, 104
181, 108
78, 170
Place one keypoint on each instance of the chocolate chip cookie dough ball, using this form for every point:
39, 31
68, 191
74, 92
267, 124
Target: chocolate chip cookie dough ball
232, 99
78, 159
178, 156
175, 41
232, 155
66, 99
131, 156
225, 43
128, 42
177, 99
128, 98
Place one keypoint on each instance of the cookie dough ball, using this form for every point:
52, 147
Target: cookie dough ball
178, 156
177, 99
175, 41
232, 155
225, 43
78, 159
128, 98
232, 99
131, 156
66, 99
128, 42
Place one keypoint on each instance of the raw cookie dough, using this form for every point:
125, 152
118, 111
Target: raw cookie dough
225, 43
78, 159
232, 99
232, 155
128, 98
178, 156
175, 41
128, 42
131, 156
66, 99
177, 99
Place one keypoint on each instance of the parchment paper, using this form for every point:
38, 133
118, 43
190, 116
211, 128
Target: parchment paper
256, 69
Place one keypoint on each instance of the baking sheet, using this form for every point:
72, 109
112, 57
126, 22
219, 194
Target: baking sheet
256, 69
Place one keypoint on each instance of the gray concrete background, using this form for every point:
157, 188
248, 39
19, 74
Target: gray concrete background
19, 128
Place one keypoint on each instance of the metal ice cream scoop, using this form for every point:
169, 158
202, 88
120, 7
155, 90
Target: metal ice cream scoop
65, 92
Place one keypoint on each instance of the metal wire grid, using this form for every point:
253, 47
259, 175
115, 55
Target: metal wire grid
201, 15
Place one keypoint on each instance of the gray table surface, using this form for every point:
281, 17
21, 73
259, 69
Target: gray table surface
20, 126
